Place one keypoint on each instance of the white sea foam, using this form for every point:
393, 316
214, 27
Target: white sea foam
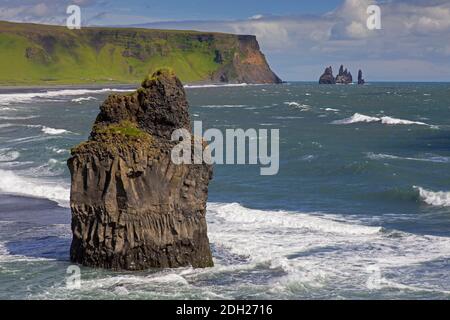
282, 254
12, 183
53, 131
8, 98
298, 105
8, 155
394, 121
216, 85
331, 109
315, 250
357, 118
361, 118
18, 118
438, 199
82, 99
223, 106
382, 156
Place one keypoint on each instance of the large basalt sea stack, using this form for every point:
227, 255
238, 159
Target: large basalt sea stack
132, 208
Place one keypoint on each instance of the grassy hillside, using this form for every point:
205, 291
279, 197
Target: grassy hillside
40, 54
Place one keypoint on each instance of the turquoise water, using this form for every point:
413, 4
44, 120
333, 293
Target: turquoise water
359, 209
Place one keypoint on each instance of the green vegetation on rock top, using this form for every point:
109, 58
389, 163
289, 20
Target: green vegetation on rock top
125, 128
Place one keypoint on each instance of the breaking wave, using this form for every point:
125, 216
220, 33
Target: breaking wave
7, 155
11, 183
8, 98
216, 85
82, 99
361, 118
438, 199
53, 131
382, 156
303, 107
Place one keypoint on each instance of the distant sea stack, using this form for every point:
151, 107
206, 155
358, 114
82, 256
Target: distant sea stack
327, 77
44, 54
344, 77
132, 208
361, 81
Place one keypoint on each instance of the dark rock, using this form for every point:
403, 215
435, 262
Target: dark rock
361, 81
132, 207
344, 76
327, 77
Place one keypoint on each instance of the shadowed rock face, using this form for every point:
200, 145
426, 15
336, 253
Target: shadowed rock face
132, 208
327, 77
361, 80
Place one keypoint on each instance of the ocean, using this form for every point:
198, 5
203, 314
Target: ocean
360, 208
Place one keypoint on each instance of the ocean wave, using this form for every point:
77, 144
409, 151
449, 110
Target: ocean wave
382, 156
313, 250
8, 98
8, 155
18, 118
281, 254
357, 118
53, 131
11, 183
82, 99
361, 118
224, 106
438, 199
303, 107
217, 85
331, 109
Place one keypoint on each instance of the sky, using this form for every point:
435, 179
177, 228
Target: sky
299, 38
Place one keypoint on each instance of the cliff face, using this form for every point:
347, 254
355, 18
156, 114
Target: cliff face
132, 208
248, 65
32, 54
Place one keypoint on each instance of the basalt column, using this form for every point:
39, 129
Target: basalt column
132, 207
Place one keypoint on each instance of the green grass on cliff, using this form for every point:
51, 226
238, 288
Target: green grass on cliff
126, 129
37, 54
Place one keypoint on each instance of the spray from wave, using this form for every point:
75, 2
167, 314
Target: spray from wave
437, 199
11, 183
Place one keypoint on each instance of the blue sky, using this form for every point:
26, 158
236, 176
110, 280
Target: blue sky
156, 10
300, 38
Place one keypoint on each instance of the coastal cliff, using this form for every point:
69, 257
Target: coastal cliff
43, 54
132, 208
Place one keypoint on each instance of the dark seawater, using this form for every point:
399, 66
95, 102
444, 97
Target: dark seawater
360, 207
